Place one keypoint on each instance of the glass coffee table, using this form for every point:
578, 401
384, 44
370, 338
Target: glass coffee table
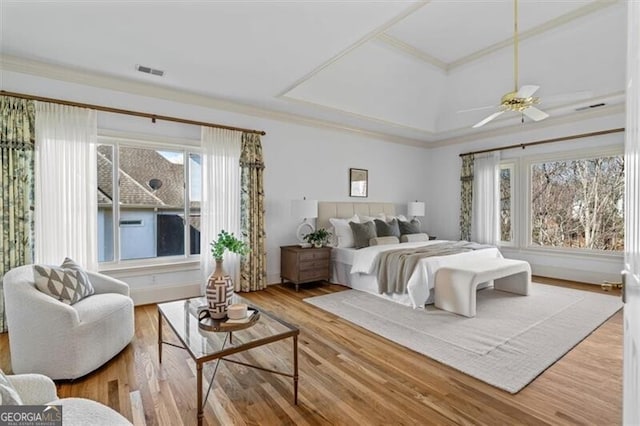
215, 340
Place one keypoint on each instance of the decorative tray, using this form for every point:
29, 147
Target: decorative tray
205, 322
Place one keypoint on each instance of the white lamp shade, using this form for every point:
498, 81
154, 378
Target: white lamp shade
415, 208
304, 209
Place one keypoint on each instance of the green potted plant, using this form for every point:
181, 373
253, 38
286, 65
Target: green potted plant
227, 241
220, 285
318, 238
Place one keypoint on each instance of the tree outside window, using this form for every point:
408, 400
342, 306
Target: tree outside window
578, 203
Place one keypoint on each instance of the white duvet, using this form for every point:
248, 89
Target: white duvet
422, 280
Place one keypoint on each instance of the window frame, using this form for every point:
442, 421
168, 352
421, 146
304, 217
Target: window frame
527, 163
511, 164
167, 263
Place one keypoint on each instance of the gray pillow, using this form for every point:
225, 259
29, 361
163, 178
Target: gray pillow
68, 283
387, 229
409, 227
362, 233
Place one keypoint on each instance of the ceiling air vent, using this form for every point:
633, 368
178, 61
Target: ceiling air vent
149, 70
601, 104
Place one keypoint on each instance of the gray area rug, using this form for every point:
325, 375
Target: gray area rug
509, 343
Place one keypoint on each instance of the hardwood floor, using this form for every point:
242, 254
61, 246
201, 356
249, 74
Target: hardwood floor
348, 375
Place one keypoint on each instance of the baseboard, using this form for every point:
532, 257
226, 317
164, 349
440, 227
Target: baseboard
588, 277
273, 279
155, 294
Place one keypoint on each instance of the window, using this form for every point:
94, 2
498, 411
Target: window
506, 203
577, 203
147, 192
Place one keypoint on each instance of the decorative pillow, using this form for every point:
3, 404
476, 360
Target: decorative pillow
68, 283
387, 229
380, 241
8, 394
414, 238
362, 233
343, 235
409, 227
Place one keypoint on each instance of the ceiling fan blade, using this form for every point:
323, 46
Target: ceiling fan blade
488, 119
535, 114
476, 109
527, 91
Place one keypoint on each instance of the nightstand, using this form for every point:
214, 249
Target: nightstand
304, 265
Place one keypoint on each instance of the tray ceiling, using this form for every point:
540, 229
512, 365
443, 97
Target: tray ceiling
397, 68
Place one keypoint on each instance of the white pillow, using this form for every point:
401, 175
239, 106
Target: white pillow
364, 218
389, 218
342, 233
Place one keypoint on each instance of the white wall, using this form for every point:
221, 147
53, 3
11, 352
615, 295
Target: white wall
444, 198
300, 161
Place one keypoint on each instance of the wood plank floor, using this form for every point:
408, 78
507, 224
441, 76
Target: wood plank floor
348, 376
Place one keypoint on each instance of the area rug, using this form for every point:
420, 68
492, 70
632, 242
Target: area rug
511, 341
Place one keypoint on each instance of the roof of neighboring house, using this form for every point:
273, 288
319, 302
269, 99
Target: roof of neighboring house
137, 166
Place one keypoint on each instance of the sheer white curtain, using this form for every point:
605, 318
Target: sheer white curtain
66, 185
485, 220
220, 207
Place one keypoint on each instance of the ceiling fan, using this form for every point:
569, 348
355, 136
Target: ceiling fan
520, 100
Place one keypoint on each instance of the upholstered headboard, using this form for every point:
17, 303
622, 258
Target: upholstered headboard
346, 210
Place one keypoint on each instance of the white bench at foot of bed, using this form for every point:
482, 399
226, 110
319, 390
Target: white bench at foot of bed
456, 284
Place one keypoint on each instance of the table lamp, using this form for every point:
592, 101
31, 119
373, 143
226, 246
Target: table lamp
304, 209
415, 208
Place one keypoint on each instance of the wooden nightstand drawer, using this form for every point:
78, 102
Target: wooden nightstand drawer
302, 265
314, 264
313, 255
313, 274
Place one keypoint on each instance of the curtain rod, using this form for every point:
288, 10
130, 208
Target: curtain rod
544, 141
153, 117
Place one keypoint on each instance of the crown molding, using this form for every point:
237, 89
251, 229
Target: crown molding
356, 115
412, 51
549, 122
72, 75
79, 76
370, 35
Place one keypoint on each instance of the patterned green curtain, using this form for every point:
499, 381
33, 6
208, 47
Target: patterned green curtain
253, 267
466, 197
17, 140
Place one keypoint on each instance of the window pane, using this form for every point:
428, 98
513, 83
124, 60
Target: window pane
105, 203
151, 184
578, 203
195, 197
505, 204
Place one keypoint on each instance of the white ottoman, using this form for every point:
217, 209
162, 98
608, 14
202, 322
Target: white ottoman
456, 284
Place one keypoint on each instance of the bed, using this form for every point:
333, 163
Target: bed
355, 268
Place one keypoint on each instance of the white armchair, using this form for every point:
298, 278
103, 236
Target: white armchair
64, 341
36, 389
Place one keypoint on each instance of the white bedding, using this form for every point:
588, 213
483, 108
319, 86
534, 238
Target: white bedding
421, 282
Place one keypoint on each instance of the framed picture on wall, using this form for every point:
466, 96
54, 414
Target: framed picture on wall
358, 183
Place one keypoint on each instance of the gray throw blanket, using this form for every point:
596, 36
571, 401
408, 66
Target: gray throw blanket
396, 266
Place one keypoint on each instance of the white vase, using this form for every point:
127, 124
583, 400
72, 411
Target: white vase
219, 292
